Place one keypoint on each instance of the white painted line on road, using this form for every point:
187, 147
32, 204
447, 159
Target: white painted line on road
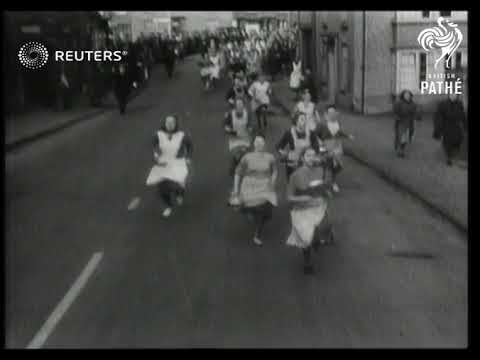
134, 204
66, 302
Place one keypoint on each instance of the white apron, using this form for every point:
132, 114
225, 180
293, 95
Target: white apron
296, 75
309, 111
174, 169
305, 221
260, 95
334, 145
299, 146
215, 70
239, 125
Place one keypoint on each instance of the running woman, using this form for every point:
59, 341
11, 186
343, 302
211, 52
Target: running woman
307, 192
239, 127
331, 135
254, 186
307, 106
260, 92
173, 153
294, 141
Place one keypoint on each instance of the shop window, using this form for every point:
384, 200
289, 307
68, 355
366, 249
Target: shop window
458, 60
423, 68
407, 71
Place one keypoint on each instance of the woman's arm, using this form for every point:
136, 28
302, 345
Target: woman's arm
227, 123
274, 170
231, 96
284, 141
291, 189
343, 134
239, 173
314, 142
156, 148
187, 146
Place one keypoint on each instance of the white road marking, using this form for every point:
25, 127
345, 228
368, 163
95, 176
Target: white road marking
134, 204
66, 302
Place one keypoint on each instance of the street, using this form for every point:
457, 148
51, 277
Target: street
196, 279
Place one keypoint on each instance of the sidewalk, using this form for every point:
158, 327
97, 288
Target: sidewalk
29, 127
32, 125
423, 173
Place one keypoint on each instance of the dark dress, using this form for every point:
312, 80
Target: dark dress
405, 115
309, 83
170, 58
121, 84
287, 140
449, 122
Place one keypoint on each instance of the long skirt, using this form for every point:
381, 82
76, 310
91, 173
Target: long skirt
256, 191
175, 170
305, 221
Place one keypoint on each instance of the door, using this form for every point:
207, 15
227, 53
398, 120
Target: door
307, 49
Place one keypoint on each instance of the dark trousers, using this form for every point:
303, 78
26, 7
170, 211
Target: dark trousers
289, 170
122, 102
169, 190
259, 215
169, 67
261, 115
324, 232
236, 156
451, 148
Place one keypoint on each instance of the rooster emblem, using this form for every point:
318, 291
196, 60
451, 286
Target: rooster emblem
440, 37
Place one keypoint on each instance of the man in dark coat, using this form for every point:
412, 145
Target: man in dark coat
170, 58
121, 87
449, 125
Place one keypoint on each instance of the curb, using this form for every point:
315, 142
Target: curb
30, 139
460, 225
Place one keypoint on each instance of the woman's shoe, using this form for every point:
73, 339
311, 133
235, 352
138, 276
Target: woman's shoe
167, 212
180, 200
335, 188
308, 269
257, 241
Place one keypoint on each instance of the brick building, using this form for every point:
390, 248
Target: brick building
363, 59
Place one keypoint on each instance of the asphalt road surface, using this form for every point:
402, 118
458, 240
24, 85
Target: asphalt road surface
196, 279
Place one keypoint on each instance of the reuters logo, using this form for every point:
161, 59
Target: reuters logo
33, 55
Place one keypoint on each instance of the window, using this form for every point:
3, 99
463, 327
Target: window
458, 60
407, 71
423, 68
445, 13
425, 14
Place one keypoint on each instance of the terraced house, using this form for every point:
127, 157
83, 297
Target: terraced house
363, 59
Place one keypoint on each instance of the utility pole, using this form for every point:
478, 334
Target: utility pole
364, 60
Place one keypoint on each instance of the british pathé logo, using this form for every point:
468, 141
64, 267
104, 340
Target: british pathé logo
447, 40
439, 37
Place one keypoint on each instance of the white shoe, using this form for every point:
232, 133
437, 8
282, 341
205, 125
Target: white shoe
257, 241
167, 212
335, 188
